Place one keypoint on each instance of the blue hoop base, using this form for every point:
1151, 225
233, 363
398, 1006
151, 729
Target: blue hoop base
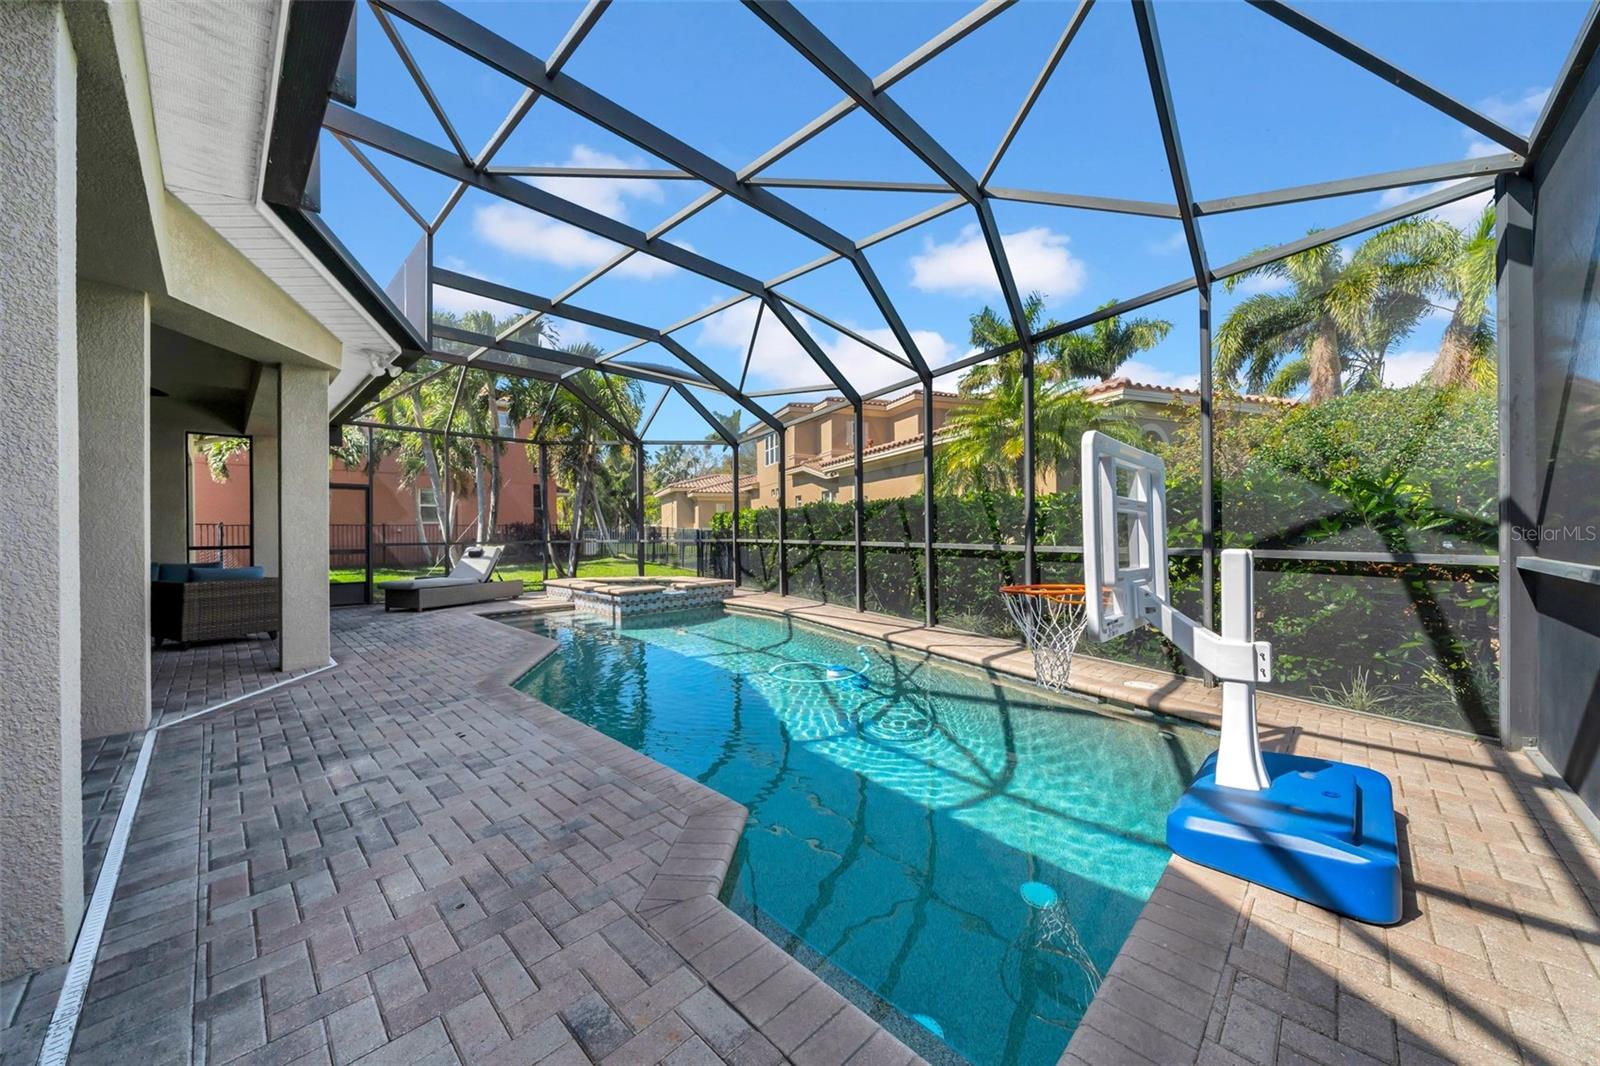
1322, 831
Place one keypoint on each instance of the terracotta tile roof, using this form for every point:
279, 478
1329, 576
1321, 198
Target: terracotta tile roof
706, 483
1114, 384
807, 406
939, 435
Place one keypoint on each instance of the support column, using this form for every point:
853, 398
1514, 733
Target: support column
261, 423
1519, 475
638, 504
41, 835
114, 527
733, 515
858, 508
1208, 505
783, 512
303, 516
1030, 563
930, 565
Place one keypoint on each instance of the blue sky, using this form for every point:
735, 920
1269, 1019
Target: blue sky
1259, 107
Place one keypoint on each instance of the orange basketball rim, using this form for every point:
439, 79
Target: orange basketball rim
1057, 592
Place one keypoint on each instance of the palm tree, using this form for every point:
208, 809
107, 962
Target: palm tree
985, 450
1466, 352
1338, 318
1093, 353
586, 467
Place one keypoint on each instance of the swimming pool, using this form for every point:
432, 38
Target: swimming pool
961, 855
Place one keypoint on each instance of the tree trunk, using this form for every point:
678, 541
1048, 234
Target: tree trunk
1453, 366
580, 494
443, 511
1323, 360
548, 521
481, 497
494, 490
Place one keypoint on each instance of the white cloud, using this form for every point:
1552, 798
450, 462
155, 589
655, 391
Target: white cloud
457, 302
1516, 112
1256, 284
1461, 213
1148, 374
530, 235
608, 196
779, 361
1408, 367
1039, 261
1168, 245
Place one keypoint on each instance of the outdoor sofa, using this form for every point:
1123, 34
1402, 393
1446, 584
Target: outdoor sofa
472, 581
193, 602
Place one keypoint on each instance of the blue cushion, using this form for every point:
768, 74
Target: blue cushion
171, 571
155, 571
226, 573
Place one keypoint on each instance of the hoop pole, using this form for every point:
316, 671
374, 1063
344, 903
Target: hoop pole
1239, 763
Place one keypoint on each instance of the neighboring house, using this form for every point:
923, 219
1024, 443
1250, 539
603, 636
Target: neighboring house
690, 503
407, 518
821, 449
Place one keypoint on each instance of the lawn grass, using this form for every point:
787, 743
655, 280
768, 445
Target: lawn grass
531, 575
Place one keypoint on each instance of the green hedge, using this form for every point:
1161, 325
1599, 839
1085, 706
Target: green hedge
1398, 471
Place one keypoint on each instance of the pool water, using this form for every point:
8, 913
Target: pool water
960, 855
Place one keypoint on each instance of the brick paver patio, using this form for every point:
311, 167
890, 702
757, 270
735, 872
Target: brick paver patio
405, 860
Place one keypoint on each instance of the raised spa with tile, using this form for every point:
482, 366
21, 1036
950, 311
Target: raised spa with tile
617, 598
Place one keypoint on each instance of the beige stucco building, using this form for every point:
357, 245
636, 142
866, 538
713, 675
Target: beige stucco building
821, 447
690, 503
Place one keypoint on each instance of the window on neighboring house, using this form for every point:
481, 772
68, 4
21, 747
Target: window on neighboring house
506, 428
849, 433
770, 447
428, 506
828, 495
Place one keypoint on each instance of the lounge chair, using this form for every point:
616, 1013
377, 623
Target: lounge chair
472, 581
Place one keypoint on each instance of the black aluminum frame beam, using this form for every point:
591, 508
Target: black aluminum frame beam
495, 51
1155, 65
550, 355
1416, 87
402, 145
506, 294
1572, 71
1074, 24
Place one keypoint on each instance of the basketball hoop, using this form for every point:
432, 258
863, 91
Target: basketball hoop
1051, 618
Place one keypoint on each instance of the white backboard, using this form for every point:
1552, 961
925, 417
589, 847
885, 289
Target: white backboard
1124, 535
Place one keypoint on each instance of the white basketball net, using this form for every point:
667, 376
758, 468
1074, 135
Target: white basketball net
1051, 618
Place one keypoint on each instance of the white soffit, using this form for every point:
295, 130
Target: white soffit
212, 76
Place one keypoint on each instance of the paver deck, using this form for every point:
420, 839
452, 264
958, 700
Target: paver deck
405, 860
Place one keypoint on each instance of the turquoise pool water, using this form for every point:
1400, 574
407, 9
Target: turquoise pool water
961, 856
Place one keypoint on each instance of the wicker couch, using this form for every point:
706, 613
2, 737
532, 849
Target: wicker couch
191, 611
